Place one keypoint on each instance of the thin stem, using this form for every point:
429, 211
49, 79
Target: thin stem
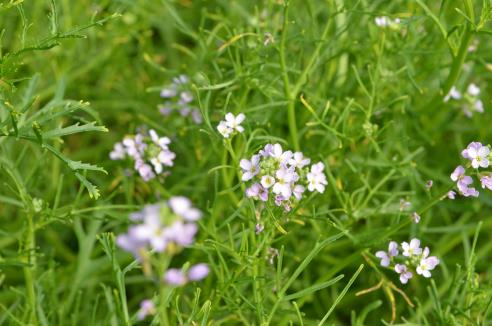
291, 113
30, 269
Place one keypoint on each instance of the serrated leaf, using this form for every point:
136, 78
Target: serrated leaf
73, 165
93, 191
73, 129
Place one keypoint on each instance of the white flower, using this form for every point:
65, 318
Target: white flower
224, 130
234, 122
412, 248
453, 94
316, 178
473, 90
284, 178
267, 181
479, 156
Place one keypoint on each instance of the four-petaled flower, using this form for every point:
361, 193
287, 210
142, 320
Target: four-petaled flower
405, 274
386, 256
427, 264
412, 248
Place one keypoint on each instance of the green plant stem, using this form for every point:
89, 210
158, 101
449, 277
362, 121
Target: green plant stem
30, 269
459, 60
291, 113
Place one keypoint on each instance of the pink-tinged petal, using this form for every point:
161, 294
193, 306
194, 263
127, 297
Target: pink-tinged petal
198, 272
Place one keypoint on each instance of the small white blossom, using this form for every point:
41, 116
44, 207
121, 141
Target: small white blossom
412, 248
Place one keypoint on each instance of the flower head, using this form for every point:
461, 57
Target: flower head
150, 153
405, 274
486, 182
158, 226
147, 307
231, 124
179, 98
283, 174
427, 264
386, 256
412, 248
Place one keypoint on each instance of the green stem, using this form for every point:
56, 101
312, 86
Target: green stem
30, 269
291, 113
459, 60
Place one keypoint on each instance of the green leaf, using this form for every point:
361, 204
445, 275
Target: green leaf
73, 129
93, 191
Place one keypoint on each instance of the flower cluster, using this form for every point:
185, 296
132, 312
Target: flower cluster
412, 257
385, 21
281, 175
149, 152
161, 227
178, 97
479, 156
164, 228
231, 124
469, 100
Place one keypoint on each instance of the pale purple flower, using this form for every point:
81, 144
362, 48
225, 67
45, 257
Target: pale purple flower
472, 146
181, 79
298, 191
250, 167
259, 228
198, 272
429, 184
256, 191
165, 109
282, 157
405, 274
463, 181
169, 92
386, 256
412, 248
268, 150
147, 307
175, 276
182, 206
197, 116
148, 161
118, 152
427, 264
185, 97
129, 242
486, 182
415, 217
470, 192
185, 110
181, 233
234, 122
451, 195
298, 160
